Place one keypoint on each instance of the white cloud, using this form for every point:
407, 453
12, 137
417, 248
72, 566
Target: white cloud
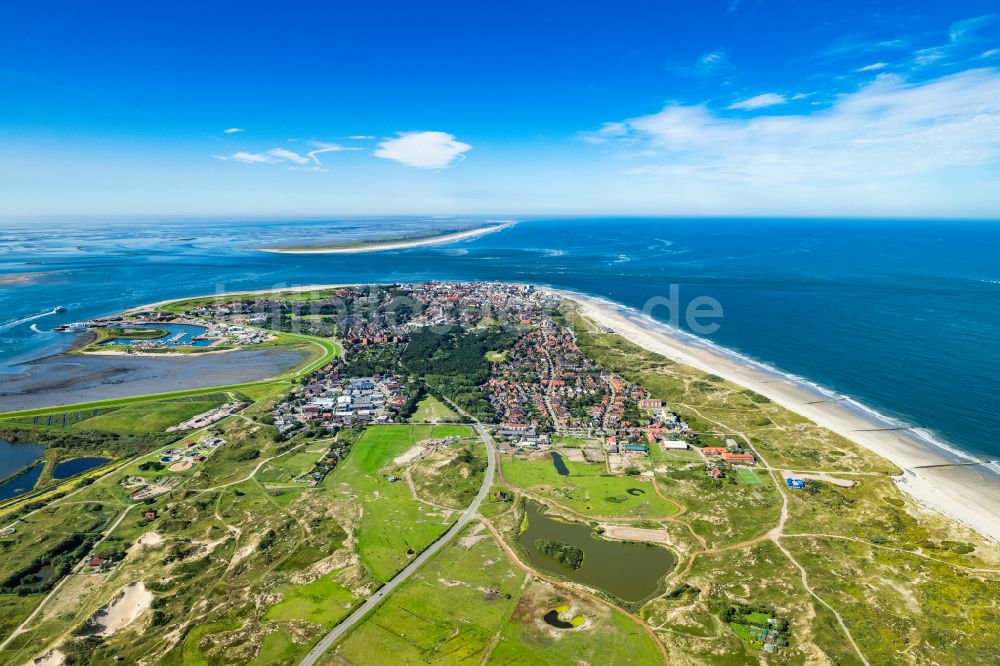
233, 130
888, 132
324, 148
360, 137
760, 101
875, 66
247, 158
272, 156
424, 150
291, 156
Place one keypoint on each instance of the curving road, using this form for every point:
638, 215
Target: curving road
365, 608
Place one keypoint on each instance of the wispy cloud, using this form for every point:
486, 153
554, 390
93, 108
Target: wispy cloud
325, 148
759, 102
709, 65
874, 67
360, 137
233, 130
887, 131
966, 28
423, 150
288, 155
272, 156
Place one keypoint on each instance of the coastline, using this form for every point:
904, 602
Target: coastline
226, 294
939, 478
401, 244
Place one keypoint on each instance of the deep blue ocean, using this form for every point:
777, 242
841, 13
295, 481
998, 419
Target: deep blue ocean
903, 316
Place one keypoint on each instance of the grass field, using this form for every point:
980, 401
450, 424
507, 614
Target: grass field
589, 489
324, 602
606, 637
749, 477
394, 526
154, 416
448, 612
432, 410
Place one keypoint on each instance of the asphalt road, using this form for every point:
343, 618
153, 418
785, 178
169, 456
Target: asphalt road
383, 592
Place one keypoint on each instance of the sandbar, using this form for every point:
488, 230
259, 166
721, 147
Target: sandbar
393, 244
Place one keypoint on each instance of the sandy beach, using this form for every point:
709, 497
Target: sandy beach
969, 493
400, 244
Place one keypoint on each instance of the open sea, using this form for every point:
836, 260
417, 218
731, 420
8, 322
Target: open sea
901, 316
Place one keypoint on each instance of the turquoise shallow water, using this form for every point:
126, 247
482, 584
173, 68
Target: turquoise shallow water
903, 316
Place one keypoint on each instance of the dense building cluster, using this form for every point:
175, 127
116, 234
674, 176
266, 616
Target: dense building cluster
531, 381
333, 402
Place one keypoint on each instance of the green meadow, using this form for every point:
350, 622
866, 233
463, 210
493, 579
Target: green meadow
589, 489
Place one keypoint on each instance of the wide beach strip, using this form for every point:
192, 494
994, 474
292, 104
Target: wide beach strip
934, 476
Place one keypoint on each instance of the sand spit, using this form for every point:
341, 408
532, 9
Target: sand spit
400, 244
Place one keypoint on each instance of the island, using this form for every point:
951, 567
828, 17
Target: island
475, 471
394, 242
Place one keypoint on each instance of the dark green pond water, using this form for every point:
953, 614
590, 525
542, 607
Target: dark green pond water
629, 571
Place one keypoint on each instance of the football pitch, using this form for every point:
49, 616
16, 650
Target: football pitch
748, 476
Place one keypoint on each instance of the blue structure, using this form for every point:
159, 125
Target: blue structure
795, 484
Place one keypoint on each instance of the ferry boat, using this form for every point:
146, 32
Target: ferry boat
59, 308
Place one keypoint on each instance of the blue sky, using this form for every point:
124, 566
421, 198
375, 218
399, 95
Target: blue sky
738, 107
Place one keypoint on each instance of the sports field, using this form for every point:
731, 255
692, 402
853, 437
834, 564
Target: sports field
749, 477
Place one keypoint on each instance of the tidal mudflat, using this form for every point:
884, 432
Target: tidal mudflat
66, 379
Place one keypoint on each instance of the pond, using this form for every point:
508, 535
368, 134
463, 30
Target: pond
552, 618
74, 466
19, 485
177, 334
630, 571
15, 457
560, 464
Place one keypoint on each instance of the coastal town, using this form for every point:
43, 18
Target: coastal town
542, 385
437, 438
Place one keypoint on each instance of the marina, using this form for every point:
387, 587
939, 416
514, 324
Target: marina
187, 335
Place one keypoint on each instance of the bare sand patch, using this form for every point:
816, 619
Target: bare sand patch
124, 609
843, 483
575, 455
415, 452
149, 539
53, 657
637, 534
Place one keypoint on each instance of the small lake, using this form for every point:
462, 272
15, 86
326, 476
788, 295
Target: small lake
74, 466
629, 571
177, 335
560, 464
15, 457
21, 484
